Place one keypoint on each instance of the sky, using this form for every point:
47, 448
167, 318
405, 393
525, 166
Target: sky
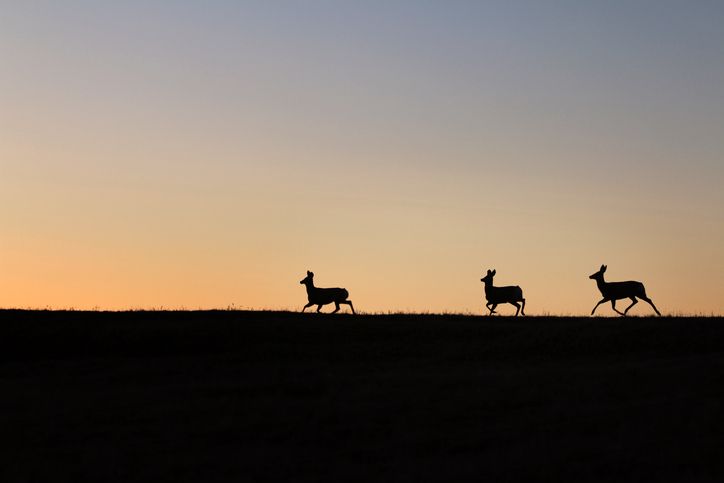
158, 154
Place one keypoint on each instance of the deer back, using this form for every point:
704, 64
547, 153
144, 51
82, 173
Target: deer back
328, 295
503, 294
622, 290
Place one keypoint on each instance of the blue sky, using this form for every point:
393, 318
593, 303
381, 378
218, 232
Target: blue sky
423, 140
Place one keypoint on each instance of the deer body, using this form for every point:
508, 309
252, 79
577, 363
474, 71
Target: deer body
323, 296
613, 291
502, 295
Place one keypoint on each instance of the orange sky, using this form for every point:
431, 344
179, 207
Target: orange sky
185, 157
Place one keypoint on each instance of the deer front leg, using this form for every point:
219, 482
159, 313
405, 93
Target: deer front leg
633, 302
492, 309
599, 303
613, 306
307, 306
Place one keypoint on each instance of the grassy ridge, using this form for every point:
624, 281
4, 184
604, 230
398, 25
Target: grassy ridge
269, 396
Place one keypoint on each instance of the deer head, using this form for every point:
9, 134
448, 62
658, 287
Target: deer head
598, 275
488, 279
308, 279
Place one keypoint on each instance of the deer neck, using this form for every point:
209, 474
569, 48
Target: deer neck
310, 287
602, 285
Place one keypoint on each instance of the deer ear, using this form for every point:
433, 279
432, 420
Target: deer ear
493, 272
603, 268
309, 273
488, 271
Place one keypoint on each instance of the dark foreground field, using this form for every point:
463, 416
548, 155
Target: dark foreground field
245, 396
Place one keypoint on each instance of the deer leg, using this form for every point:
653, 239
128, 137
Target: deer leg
319, 307
517, 307
307, 306
336, 308
633, 302
522, 309
613, 306
492, 309
349, 302
599, 303
648, 300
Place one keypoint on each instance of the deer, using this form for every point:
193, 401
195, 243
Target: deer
613, 291
502, 295
323, 296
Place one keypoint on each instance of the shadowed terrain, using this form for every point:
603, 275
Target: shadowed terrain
271, 396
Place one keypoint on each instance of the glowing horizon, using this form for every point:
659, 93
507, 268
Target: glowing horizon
202, 156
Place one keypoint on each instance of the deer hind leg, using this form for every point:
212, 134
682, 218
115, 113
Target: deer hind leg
319, 308
633, 302
648, 300
517, 307
348, 302
613, 306
307, 306
522, 309
336, 308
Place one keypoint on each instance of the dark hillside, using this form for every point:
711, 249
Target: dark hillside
268, 396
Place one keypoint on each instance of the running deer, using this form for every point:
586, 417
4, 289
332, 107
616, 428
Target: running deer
502, 295
620, 290
323, 296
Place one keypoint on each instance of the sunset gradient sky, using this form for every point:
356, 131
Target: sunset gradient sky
203, 154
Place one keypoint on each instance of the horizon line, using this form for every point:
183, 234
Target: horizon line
241, 309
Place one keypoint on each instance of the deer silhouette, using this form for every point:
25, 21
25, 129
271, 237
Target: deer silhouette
620, 290
323, 296
502, 295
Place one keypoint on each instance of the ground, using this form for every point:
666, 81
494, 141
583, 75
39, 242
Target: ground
274, 396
